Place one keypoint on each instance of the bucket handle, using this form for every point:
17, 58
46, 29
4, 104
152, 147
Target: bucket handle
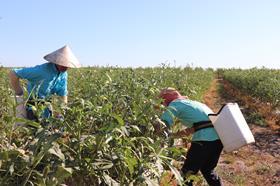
213, 117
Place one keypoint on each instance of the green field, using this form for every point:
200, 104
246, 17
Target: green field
107, 135
107, 129
263, 84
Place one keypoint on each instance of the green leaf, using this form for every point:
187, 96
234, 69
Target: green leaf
11, 169
103, 164
4, 155
130, 162
110, 181
119, 119
55, 150
62, 173
28, 122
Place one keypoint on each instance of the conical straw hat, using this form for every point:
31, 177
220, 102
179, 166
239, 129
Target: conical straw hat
63, 57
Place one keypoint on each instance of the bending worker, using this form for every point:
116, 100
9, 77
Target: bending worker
206, 146
44, 81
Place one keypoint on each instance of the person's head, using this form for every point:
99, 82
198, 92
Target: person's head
63, 58
170, 94
61, 68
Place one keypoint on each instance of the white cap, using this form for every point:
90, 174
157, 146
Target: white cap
63, 57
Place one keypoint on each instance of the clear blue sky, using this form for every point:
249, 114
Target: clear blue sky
206, 33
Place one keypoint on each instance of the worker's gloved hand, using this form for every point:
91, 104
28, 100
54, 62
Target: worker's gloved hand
20, 109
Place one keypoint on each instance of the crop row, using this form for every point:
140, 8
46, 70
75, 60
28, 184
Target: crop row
263, 84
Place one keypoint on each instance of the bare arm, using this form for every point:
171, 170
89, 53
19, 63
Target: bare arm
183, 133
15, 83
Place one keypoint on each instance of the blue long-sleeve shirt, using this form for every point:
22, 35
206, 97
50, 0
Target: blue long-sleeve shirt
44, 80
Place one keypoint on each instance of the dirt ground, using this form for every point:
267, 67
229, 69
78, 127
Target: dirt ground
258, 163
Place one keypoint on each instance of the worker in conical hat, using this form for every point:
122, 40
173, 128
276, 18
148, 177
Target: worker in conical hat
44, 81
206, 146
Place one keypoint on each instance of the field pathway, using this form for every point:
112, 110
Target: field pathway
255, 164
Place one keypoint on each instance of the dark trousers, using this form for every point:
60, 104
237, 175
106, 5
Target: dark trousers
203, 156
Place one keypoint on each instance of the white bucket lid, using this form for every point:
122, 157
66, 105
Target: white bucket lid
63, 57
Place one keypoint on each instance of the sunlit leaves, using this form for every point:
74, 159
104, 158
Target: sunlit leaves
263, 84
106, 135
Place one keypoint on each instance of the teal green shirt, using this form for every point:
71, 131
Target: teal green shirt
189, 112
44, 80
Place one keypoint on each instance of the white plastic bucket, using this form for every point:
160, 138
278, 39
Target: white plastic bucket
232, 127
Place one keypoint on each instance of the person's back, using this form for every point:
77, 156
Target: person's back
190, 112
